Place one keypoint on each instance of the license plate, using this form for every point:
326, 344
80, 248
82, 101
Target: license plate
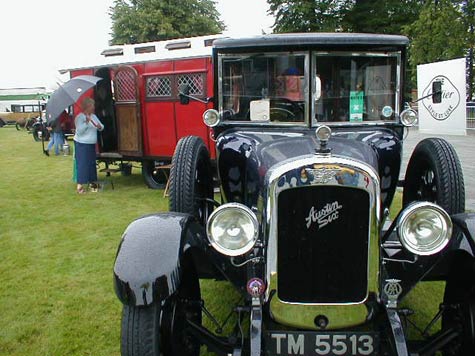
321, 343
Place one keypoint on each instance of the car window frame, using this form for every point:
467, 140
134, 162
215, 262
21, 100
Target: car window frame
397, 100
307, 68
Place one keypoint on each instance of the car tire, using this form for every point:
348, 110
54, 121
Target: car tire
459, 306
35, 132
36, 135
154, 178
434, 174
191, 179
2, 122
30, 124
184, 305
140, 330
161, 329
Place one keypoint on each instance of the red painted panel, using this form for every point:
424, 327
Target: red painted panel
190, 64
158, 118
189, 120
189, 117
161, 135
162, 66
89, 93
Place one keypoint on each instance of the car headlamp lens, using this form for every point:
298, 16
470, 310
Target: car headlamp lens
424, 228
232, 229
409, 117
211, 118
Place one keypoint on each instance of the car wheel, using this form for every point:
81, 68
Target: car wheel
29, 124
154, 178
37, 132
140, 331
191, 179
183, 306
459, 307
162, 330
2, 122
434, 174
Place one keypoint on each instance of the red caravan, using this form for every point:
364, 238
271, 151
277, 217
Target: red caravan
138, 100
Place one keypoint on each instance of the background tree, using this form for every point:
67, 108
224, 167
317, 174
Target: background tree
135, 21
468, 10
438, 29
376, 16
307, 15
438, 34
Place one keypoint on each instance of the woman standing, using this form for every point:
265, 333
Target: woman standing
85, 139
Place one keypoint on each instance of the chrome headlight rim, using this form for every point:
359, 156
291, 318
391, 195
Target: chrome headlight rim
226, 251
405, 114
408, 212
211, 123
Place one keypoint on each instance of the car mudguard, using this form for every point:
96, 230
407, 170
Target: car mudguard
147, 264
466, 223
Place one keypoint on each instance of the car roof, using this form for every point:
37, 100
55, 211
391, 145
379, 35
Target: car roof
310, 39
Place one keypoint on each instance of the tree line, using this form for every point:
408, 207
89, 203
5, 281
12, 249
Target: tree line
438, 29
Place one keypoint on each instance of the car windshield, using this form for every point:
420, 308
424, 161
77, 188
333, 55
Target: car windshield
356, 87
264, 87
273, 87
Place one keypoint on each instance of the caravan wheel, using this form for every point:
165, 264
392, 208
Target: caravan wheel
154, 178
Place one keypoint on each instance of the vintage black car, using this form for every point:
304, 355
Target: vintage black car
309, 133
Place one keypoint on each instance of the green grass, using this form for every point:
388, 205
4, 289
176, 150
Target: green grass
57, 250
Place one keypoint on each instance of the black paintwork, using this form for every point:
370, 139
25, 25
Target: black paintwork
410, 269
314, 40
147, 265
245, 155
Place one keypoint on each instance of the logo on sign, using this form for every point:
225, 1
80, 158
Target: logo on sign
324, 216
449, 98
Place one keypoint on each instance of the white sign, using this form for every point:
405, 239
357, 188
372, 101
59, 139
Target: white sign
260, 110
443, 109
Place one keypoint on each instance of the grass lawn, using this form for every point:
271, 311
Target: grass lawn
57, 251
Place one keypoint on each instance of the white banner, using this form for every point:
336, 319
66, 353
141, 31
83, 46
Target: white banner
443, 112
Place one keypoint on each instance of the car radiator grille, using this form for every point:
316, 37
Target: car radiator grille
322, 249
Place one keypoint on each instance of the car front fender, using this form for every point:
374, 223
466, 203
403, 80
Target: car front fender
466, 223
147, 265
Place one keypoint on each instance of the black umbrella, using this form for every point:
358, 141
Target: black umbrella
67, 94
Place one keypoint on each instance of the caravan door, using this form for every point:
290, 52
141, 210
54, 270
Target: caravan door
127, 110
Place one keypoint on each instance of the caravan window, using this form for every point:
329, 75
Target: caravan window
159, 86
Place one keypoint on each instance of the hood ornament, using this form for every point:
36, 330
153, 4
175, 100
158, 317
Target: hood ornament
323, 133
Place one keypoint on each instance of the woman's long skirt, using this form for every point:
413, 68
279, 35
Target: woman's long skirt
85, 162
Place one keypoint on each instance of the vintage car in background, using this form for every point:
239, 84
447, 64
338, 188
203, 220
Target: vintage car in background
309, 131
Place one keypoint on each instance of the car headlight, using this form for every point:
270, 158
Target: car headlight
211, 117
232, 229
409, 117
424, 228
